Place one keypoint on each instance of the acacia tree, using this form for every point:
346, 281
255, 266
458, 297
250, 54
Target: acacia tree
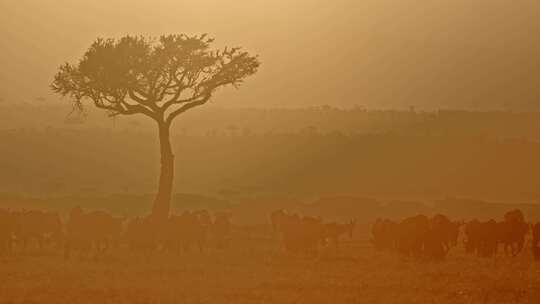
159, 78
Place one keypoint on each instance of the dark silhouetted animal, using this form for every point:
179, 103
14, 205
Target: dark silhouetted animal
413, 232
141, 234
444, 231
42, 227
512, 232
85, 232
7, 230
482, 238
221, 229
301, 235
186, 230
333, 231
536, 241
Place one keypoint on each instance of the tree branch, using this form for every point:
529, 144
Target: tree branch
186, 107
121, 107
134, 75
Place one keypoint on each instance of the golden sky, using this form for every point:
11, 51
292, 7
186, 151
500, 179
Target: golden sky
374, 53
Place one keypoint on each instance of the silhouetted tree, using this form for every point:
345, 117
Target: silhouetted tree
159, 78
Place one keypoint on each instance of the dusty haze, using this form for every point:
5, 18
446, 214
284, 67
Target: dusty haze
377, 151
480, 54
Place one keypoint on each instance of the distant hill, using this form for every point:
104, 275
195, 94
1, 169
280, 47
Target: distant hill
62, 161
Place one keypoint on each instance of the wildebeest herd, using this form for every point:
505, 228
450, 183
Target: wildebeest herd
306, 234
432, 238
23, 227
95, 233
420, 237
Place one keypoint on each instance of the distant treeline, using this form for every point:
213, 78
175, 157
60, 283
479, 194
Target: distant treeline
256, 210
60, 161
321, 120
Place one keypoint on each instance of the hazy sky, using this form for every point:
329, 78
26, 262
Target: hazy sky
375, 53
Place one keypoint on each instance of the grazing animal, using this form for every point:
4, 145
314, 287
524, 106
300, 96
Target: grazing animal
488, 244
333, 231
96, 231
188, 229
44, 228
204, 223
512, 232
444, 231
482, 238
536, 241
7, 229
311, 234
434, 248
417, 236
221, 229
301, 235
472, 233
141, 234
413, 232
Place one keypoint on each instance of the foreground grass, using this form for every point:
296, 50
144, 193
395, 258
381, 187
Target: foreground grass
253, 271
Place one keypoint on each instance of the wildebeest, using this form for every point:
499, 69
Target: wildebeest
311, 233
188, 229
7, 230
444, 231
536, 241
141, 234
472, 234
221, 229
202, 232
303, 235
482, 237
413, 232
417, 236
333, 231
96, 230
512, 232
39, 226
299, 234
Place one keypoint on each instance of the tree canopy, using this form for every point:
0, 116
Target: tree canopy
157, 77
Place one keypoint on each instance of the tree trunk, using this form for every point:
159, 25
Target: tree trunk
162, 202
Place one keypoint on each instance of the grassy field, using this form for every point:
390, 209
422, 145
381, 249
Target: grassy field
253, 270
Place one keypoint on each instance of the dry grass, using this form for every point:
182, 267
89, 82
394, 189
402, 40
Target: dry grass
252, 271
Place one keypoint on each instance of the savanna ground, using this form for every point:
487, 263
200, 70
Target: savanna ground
253, 270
